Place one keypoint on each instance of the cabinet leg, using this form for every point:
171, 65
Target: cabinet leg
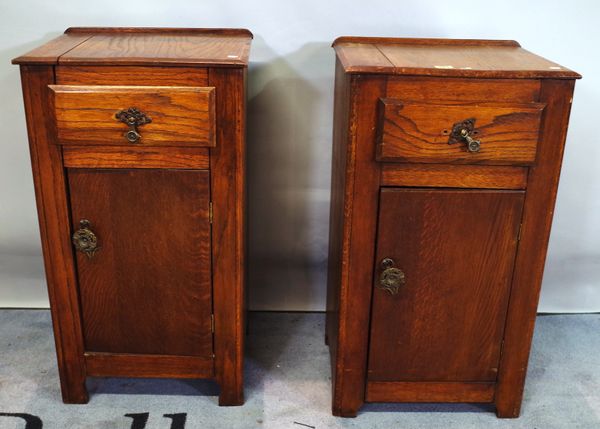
509, 396
344, 412
74, 391
231, 395
507, 414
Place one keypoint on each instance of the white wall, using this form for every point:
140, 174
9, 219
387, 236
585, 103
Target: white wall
290, 116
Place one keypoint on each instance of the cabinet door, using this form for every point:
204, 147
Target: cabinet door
147, 289
456, 249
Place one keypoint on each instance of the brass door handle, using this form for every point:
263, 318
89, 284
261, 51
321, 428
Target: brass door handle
391, 278
133, 118
84, 239
463, 131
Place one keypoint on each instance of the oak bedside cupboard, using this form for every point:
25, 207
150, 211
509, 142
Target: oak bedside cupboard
137, 147
446, 162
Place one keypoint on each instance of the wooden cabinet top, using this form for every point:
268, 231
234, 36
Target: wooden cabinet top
445, 57
144, 46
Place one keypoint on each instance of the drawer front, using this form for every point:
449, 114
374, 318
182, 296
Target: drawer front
134, 115
472, 133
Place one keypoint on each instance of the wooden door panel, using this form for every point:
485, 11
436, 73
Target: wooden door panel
147, 290
456, 249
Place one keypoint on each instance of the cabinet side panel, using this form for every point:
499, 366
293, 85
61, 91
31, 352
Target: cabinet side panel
360, 219
227, 166
51, 198
336, 209
542, 185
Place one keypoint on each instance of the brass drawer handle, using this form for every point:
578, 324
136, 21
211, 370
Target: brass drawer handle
133, 118
391, 278
462, 131
84, 239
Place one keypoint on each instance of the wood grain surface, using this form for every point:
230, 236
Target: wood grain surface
50, 52
461, 331
217, 47
233, 32
132, 75
142, 306
135, 157
360, 225
445, 57
415, 131
338, 234
429, 391
181, 116
457, 250
131, 48
163, 366
148, 289
228, 187
542, 186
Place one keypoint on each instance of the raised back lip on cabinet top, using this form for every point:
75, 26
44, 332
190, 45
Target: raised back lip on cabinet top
221, 47
497, 59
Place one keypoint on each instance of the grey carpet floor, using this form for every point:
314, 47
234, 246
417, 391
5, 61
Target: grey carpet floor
288, 384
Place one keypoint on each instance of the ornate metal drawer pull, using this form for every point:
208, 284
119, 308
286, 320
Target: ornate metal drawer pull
462, 131
133, 118
84, 239
391, 278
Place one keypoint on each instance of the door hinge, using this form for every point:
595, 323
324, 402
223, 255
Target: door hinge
210, 212
212, 323
519, 233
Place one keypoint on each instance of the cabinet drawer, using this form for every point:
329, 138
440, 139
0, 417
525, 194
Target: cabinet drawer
134, 115
500, 133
